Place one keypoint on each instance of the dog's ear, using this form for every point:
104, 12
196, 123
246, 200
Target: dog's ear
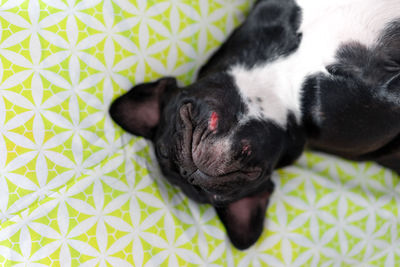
138, 111
244, 219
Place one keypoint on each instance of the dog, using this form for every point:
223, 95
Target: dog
295, 74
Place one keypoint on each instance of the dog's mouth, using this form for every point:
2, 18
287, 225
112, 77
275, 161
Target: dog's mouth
229, 196
215, 199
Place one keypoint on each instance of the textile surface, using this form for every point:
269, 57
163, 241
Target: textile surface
76, 190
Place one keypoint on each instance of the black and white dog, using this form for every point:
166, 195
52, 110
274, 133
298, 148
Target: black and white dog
322, 73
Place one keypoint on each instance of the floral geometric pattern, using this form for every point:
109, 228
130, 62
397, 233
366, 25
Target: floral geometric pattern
76, 190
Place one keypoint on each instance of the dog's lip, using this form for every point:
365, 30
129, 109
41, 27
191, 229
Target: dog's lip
253, 173
213, 197
218, 199
204, 175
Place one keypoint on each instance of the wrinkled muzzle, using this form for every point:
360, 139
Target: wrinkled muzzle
209, 160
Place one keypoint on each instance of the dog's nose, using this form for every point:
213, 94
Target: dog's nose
187, 174
183, 172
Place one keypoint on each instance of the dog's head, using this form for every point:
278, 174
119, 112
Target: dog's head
208, 146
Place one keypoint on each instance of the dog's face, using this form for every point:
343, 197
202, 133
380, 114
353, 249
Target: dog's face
208, 146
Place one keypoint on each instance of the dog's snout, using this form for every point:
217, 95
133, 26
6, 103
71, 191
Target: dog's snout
187, 174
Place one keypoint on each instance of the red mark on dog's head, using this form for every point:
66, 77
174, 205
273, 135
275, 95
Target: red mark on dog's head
213, 124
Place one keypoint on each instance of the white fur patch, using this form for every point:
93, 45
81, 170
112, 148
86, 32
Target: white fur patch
326, 25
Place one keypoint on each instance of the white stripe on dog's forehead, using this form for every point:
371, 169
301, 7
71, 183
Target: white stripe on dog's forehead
266, 94
273, 90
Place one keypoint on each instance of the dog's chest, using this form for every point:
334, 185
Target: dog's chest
273, 89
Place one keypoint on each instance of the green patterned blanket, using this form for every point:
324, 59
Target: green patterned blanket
76, 190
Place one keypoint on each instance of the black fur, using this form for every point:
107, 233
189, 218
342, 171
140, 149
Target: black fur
272, 22
355, 111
